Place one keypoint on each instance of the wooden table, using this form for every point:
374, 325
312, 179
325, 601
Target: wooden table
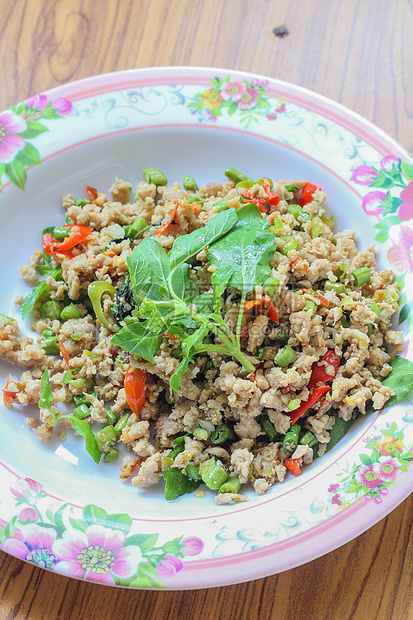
356, 52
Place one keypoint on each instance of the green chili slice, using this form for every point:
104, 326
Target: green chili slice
220, 435
285, 356
96, 290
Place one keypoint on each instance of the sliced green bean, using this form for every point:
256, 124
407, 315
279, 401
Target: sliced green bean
81, 202
212, 474
236, 176
112, 455
308, 439
337, 287
123, 421
106, 438
286, 244
276, 227
268, 428
361, 276
154, 176
81, 399
317, 227
81, 412
190, 184
291, 188
222, 205
136, 230
50, 346
110, 416
70, 312
232, 485
285, 356
291, 439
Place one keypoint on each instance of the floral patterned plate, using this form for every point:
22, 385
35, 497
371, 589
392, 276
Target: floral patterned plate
60, 511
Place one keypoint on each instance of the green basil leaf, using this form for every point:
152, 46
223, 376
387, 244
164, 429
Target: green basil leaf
38, 294
187, 246
400, 380
83, 428
138, 340
219, 281
339, 429
148, 269
248, 249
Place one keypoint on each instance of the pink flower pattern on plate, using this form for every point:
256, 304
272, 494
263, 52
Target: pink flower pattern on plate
27, 488
34, 544
248, 99
96, 555
234, 90
192, 546
372, 202
364, 175
369, 475
389, 468
169, 566
405, 211
10, 142
400, 253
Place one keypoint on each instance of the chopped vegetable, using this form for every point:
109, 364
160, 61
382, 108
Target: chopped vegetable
232, 485
135, 389
220, 435
236, 176
213, 474
78, 234
190, 184
293, 465
264, 305
362, 276
285, 356
318, 369
163, 228
95, 291
290, 441
154, 176
307, 194
315, 395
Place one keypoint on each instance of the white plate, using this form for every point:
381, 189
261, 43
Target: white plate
57, 508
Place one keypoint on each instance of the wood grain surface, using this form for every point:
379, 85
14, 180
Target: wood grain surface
357, 52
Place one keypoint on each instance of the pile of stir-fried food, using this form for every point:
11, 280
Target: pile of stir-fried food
220, 335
